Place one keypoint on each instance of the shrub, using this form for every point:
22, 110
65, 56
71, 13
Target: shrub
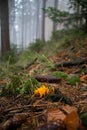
37, 45
56, 35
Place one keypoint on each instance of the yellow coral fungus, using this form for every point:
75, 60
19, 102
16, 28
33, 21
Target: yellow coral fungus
42, 91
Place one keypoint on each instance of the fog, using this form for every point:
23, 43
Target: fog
25, 21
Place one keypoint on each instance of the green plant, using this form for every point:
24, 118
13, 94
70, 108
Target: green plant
73, 79
56, 35
10, 56
83, 117
11, 88
20, 83
46, 62
60, 74
76, 18
29, 85
25, 57
55, 14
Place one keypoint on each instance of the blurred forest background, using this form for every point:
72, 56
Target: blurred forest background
28, 22
22, 22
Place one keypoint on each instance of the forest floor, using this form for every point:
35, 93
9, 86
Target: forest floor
57, 110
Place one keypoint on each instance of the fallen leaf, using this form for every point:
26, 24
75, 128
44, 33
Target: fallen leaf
84, 78
67, 115
72, 119
55, 114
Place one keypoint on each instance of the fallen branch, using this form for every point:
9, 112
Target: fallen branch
72, 63
22, 108
48, 79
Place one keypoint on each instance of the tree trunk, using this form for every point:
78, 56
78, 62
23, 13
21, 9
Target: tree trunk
5, 41
54, 23
86, 23
0, 28
12, 17
37, 19
22, 27
43, 20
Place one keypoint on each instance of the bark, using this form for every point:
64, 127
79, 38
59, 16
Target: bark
5, 41
86, 24
12, 17
13, 123
72, 63
48, 79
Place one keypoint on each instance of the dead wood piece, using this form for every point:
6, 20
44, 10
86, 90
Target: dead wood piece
67, 118
72, 63
14, 122
16, 111
21, 109
48, 79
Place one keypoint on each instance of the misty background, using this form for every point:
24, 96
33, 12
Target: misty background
25, 21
